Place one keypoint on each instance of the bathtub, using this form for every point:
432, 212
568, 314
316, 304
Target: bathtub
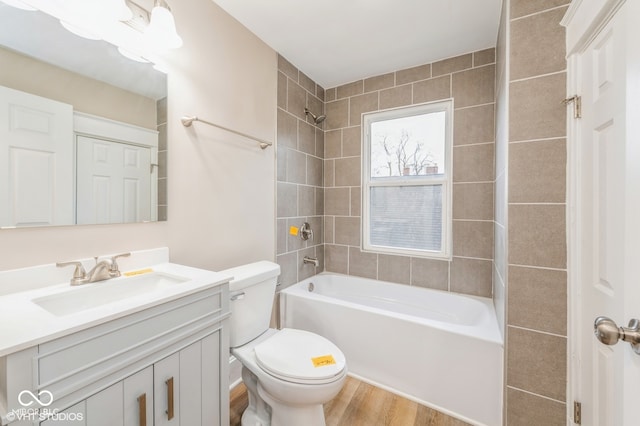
443, 350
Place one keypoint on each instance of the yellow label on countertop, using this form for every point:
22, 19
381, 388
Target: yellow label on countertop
321, 361
293, 230
138, 272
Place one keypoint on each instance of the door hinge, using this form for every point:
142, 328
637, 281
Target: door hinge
577, 105
577, 412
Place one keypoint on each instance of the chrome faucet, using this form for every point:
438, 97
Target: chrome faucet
102, 270
312, 260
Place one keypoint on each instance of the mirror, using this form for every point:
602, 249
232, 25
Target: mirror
112, 106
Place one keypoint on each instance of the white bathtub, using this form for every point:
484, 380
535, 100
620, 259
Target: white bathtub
443, 350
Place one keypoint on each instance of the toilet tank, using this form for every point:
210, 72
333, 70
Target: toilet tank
251, 291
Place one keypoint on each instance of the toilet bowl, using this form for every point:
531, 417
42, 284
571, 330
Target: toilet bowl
289, 374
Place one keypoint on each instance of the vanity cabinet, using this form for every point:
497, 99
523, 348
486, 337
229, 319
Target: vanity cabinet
164, 365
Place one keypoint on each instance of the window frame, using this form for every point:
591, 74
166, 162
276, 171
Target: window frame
446, 179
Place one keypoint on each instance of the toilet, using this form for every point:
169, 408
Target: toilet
289, 374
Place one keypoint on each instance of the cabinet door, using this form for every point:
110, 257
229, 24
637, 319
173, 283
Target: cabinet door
106, 407
166, 391
138, 398
211, 381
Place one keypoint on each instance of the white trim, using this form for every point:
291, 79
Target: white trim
584, 19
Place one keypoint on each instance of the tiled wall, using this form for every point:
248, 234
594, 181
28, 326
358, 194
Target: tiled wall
300, 152
536, 288
468, 79
161, 115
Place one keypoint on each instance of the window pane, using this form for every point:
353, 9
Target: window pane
408, 146
406, 217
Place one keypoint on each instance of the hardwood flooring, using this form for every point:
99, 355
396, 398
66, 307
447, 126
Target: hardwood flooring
361, 404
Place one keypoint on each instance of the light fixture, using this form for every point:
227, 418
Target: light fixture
161, 33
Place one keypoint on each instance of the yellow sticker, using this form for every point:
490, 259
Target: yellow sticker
138, 272
293, 230
321, 361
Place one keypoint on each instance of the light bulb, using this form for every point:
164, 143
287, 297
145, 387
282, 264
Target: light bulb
161, 33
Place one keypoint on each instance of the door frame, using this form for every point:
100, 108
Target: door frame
583, 22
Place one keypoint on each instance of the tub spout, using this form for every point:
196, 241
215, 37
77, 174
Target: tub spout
311, 260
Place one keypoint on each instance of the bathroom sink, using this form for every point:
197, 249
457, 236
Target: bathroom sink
94, 295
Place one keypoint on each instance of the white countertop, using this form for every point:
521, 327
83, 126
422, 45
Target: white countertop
24, 323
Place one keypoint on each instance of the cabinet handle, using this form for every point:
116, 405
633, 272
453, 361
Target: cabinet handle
169, 398
142, 410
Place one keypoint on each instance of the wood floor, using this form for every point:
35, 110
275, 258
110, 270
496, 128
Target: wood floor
361, 404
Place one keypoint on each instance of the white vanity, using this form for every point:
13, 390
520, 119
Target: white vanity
148, 348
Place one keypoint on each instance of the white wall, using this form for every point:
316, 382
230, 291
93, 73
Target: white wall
221, 188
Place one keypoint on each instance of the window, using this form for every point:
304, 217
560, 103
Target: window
407, 180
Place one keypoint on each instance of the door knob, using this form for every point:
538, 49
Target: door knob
608, 332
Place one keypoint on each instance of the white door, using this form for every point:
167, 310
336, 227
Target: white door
113, 182
36, 160
605, 227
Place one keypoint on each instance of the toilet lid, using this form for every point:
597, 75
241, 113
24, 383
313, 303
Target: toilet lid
300, 356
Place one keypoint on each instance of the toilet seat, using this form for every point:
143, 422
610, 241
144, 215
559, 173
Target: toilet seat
301, 357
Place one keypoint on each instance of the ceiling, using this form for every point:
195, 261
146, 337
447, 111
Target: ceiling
339, 41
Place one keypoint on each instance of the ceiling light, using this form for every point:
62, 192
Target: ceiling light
161, 33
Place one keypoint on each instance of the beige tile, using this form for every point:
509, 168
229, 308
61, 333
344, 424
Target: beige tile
287, 199
287, 68
336, 258
330, 95
314, 171
329, 226
288, 269
281, 236
336, 201
337, 114
379, 82
409, 75
361, 104
471, 276
536, 362
430, 273
306, 138
350, 89
351, 141
473, 239
484, 57
538, 299
329, 173
296, 99
537, 235
537, 45
525, 409
356, 201
296, 167
362, 264
306, 200
281, 163
307, 83
333, 144
347, 171
473, 201
450, 65
319, 143
537, 171
526, 7
474, 87
287, 130
432, 90
473, 163
282, 90
395, 97
474, 125
535, 108
395, 269
347, 231
319, 201
320, 92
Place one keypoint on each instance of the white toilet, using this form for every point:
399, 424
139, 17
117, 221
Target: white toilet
289, 374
